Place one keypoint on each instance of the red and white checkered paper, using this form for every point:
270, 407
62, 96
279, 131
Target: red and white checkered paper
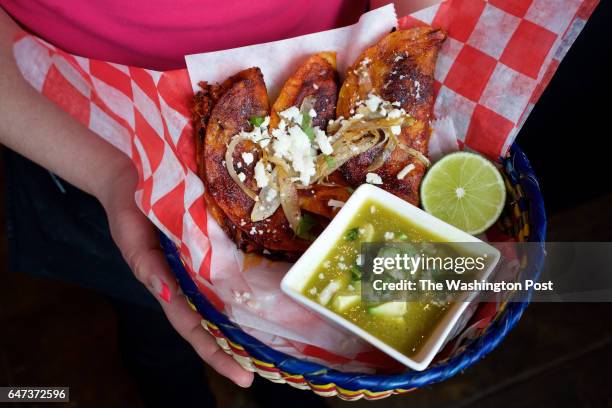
497, 60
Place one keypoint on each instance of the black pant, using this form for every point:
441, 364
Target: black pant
56, 231
59, 232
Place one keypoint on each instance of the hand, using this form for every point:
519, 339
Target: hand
138, 241
64, 146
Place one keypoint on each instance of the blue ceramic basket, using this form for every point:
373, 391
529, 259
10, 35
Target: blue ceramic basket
524, 218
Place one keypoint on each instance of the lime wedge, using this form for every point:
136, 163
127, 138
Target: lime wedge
465, 190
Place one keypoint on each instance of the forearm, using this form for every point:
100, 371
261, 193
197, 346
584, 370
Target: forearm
36, 128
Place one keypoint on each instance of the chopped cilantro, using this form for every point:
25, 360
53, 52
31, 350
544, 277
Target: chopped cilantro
352, 234
355, 272
307, 126
256, 121
306, 223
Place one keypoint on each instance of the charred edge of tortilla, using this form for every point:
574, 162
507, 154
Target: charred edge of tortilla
317, 77
403, 64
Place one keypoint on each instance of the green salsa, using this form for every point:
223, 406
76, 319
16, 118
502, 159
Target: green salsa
336, 283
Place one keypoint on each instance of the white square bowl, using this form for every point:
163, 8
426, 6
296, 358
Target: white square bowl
302, 271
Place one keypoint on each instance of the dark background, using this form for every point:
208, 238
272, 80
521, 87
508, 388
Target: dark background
53, 333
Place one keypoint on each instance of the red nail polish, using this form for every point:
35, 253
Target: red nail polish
165, 293
162, 289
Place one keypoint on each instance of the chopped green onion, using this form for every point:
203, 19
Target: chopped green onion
352, 234
331, 161
256, 121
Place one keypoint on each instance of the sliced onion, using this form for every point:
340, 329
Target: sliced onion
307, 104
344, 150
289, 200
280, 162
263, 208
416, 154
364, 81
390, 145
229, 164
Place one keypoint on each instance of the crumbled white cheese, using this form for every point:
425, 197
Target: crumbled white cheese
335, 203
295, 146
341, 265
373, 102
312, 113
323, 141
326, 264
321, 276
315, 86
292, 114
241, 176
396, 130
373, 178
417, 85
253, 231
240, 297
239, 165
359, 260
389, 235
394, 113
261, 176
372, 209
398, 58
247, 157
313, 291
404, 172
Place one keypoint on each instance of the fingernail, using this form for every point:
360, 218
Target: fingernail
244, 381
162, 289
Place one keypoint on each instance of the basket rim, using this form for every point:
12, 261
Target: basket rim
519, 169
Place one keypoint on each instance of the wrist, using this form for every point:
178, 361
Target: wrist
118, 179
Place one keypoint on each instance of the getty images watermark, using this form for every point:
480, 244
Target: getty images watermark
499, 271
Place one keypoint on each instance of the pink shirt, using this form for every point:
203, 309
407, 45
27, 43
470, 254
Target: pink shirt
157, 34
